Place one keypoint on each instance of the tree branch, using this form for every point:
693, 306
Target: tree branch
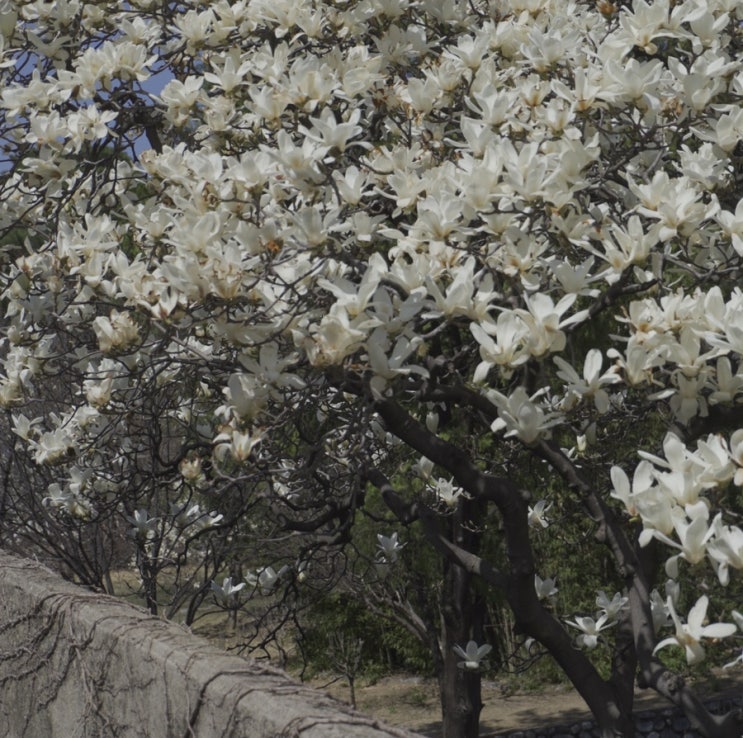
408, 513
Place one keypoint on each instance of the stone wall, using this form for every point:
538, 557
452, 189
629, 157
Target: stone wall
75, 664
665, 723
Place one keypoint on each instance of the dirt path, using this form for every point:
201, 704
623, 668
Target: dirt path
413, 702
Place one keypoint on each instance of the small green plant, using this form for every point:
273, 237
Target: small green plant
418, 697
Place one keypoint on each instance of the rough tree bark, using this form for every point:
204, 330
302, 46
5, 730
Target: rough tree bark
462, 619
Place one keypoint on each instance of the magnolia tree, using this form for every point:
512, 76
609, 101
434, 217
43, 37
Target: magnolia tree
261, 258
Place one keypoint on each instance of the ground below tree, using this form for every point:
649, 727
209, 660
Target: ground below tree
413, 702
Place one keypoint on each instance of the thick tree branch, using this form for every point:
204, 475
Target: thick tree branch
447, 455
518, 586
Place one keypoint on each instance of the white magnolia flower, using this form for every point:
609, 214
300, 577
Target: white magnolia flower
644, 499
226, 593
591, 383
68, 500
186, 514
145, 527
266, 579
589, 638
238, 444
472, 655
424, 468
693, 531
247, 394
736, 454
521, 416
190, 469
501, 343
387, 367
538, 514
545, 321
611, 607
25, 427
659, 611
447, 492
389, 547
334, 338
545, 588
690, 634
115, 332
725, 549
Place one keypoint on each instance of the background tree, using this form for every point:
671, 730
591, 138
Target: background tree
499, 241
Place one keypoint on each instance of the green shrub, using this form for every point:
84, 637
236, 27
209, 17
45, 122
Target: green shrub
385, 646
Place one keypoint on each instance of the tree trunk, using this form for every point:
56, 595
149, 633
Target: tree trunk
461, 701
462, 614
352, 689
148, 572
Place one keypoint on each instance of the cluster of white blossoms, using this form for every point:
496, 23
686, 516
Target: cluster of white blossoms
668, 495
688, 635
397, 192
